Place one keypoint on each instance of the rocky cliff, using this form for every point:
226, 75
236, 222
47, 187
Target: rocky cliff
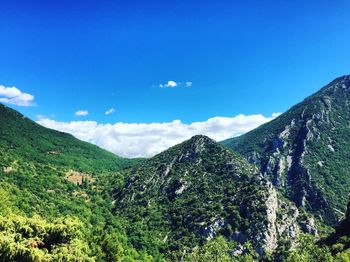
198, 190
304, 151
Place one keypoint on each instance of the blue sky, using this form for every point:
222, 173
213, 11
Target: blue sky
242, 57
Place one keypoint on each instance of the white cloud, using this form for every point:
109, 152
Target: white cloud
40, 116
276, 114
81, 113
188, 84
110, 111
145, 140
169, 84
14, 96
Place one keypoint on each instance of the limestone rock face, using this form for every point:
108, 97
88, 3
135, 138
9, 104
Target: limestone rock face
284, 222
198, 190
304, 152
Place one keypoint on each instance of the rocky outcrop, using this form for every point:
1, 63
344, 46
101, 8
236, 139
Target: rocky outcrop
212, 229
199, 190
284, 222
304, 152
270, 235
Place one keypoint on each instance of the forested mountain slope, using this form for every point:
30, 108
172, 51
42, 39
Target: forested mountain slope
62, 199
24, 138
305, 152
54, 196
198, 190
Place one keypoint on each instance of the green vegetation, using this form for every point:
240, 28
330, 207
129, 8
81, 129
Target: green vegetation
33, 239
308, 250
62, 199
193, 192
28, 141
305, 151
219, 249
36, 198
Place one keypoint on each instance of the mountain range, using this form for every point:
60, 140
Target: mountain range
252, 197
304, 152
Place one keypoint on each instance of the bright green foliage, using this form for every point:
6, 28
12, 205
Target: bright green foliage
343, 256
332, 247
216, 250
34, 162
34, 239
221, 250
309, 251
28, 141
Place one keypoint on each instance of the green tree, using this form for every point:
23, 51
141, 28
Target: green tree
308, 251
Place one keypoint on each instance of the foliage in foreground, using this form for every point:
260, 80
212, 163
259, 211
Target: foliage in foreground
64, 239
34, 239
220, 249
307, 250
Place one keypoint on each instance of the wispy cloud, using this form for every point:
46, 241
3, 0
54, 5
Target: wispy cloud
14, 96
82, 113
188, 84
145, 140
170, 83
110, 111
40, 116
276, 114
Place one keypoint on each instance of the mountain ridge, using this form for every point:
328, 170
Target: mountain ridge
43, 143
259, 200
204, 190
291, 150
54, 192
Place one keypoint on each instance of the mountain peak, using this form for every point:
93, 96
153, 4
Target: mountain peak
202, 190
341, 79
201, 140
340, 83
303, 151
201, 137
200, 143
192, 150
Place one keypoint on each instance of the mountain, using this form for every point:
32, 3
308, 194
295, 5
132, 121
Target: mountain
24, 138
339, 241
305, 151
35, 159
198, 190
342, 229
54, 196
61, 198
334, 247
